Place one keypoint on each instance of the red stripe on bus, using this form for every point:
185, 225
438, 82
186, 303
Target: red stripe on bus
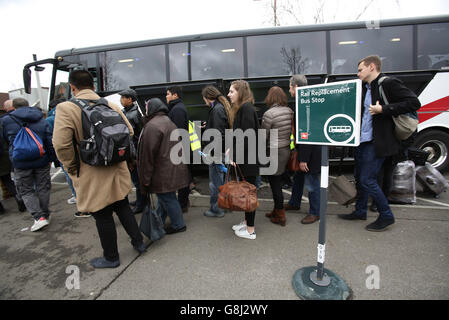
433, 109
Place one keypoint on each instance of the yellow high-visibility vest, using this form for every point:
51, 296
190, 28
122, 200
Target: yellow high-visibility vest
292, 142
195, 143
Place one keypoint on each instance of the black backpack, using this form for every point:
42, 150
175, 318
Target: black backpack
106, 137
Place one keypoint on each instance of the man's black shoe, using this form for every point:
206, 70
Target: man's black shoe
170, 230
379, 225
141, 248
137, 210
101, 263
352, 216
2, 209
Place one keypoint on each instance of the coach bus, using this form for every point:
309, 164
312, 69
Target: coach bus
415, 50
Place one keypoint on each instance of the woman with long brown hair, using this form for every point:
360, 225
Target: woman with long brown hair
219, 115
278, 117
245, 118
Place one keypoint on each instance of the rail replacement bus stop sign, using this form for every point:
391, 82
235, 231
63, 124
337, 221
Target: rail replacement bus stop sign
329, 114
326, 114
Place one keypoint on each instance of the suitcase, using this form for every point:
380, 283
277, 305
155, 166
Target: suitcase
403, 189
343, 191
432, 179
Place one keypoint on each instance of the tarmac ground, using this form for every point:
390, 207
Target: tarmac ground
208, 262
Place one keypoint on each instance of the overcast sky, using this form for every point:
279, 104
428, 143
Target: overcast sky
44, 27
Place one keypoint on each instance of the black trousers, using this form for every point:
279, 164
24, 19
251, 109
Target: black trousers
276, 189
108, 233
250, 216
183, 194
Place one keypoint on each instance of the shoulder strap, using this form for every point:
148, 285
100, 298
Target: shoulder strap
381, 90
20, 123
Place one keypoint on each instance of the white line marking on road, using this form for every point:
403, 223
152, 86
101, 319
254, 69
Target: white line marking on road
56, 173
434, 202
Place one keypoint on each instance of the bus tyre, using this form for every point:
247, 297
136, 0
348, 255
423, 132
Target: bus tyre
437, 143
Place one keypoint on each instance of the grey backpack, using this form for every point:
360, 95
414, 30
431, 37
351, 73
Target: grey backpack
106, 137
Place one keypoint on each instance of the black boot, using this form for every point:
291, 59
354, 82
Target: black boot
2, 209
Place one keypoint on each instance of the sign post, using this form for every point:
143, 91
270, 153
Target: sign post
326, 114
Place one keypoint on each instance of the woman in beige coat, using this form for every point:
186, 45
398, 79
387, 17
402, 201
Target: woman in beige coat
278, 117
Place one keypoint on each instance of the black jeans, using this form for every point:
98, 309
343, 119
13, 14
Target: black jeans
276, 188
250, 216
183, 194
108, 233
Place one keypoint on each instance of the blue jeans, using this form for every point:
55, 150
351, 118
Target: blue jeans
367, 170
168, 205
141, 200
216, 179
312, 182
69, 181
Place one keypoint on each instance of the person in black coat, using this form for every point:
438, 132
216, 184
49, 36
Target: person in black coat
377, 139
245, 118
178, 114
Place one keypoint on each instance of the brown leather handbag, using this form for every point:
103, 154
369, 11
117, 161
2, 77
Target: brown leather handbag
238, 195
293, 163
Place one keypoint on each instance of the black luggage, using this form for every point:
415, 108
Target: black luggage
403, 190
432, 179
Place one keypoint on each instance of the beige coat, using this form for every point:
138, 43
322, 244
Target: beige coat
96, 187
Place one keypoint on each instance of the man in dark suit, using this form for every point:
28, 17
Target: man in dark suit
377, 138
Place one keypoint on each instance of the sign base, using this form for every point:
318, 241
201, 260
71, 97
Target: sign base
306, 289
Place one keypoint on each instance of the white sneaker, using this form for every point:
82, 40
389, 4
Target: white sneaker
243, 233
72, 200
239, 226
39, 224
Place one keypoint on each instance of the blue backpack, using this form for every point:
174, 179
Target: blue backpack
27, 145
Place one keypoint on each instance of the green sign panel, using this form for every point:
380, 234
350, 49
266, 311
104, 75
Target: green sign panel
329, 114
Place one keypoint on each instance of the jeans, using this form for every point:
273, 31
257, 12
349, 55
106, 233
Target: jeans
297, 189
216, 179
69, 181
169, 205
312, 182
367, 170
34, 186
141, 200
107, 231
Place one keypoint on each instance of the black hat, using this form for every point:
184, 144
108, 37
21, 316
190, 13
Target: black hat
129, 93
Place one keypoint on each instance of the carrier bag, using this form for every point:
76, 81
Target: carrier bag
27, 145
343, 191
151, 223
106, 137
432, 179
403, 190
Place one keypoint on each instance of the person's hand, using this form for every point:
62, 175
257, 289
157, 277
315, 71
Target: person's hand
375, 109
303, 167
203, 125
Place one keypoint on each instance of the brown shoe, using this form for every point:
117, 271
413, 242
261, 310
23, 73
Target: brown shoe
271, 214
289, 207
308, 219
279, 217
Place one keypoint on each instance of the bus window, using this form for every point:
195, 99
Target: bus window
221, 58
433, 49
286, 54
392, 44
62, 88
179, 70
136, 66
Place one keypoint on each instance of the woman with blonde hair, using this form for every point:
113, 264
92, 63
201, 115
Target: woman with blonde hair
278, 117
219, 115
244, 117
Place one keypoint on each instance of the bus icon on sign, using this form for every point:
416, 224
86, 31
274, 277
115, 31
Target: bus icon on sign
340, 129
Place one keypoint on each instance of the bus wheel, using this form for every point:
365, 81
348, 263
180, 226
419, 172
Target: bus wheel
437, 143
